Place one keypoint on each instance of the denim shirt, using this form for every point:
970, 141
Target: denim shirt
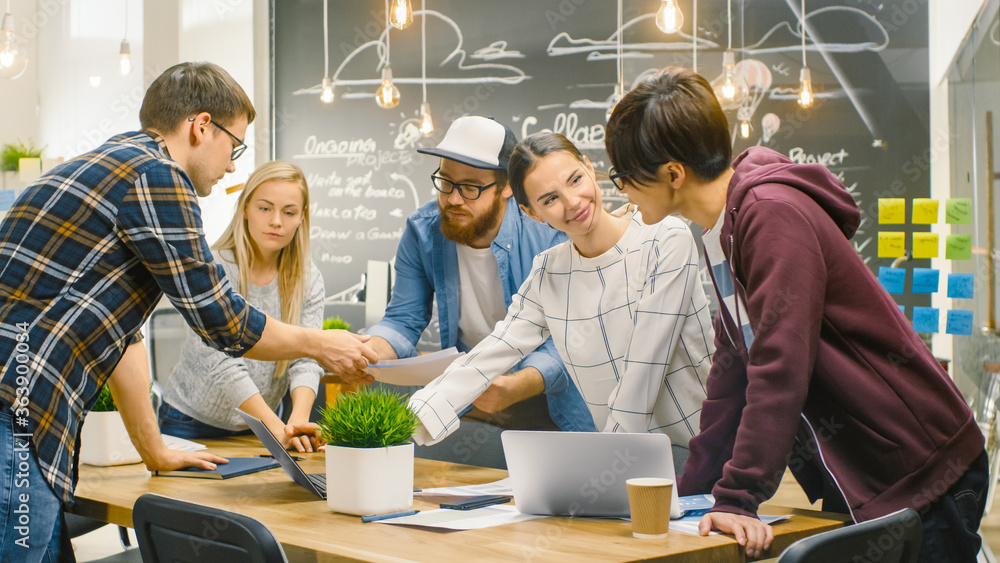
427, 268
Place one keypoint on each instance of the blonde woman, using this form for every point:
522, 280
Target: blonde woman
265, 252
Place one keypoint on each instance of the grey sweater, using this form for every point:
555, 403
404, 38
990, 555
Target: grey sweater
208, 385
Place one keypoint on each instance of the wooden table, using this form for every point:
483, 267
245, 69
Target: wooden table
310, 531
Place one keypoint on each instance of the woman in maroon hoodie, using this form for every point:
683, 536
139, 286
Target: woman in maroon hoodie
815, 368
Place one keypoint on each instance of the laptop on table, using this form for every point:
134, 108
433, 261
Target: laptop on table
315, 482
583, 473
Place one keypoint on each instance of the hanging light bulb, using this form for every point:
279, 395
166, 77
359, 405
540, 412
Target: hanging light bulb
327, 94
125, 58
669, 17
387, 95
730, 87
806, 97
13, 57
426, 122
745, 128
401, 14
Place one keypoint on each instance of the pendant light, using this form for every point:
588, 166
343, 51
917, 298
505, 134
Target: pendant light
426, 121
805, 98
730, 88
669, 17
326, 93
13, 56
387, 95
401, 14
125, 51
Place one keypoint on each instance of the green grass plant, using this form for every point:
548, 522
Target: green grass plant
368, 418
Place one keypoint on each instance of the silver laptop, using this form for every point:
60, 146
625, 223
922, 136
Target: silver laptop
315, 482
583, 473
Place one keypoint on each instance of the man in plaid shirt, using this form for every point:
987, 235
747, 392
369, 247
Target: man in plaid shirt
85, 254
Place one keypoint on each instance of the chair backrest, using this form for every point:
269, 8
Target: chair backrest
166, 331
172, 531
893, 538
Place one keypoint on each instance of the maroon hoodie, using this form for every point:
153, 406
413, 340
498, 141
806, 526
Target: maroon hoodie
836, 381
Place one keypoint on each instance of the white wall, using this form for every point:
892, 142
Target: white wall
19, 98
950, 21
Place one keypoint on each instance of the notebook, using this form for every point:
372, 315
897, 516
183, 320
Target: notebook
237, 466
316, 482
583, 473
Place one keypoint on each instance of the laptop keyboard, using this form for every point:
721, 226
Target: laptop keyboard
318, 479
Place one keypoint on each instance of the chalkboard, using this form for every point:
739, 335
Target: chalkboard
552, 64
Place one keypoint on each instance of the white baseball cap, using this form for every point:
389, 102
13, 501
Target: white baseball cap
479, 142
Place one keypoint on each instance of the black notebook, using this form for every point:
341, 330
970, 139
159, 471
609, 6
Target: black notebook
237, 466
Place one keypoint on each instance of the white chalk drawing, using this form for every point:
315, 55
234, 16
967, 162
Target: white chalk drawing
413, 189
769, 125
829, 47
497, 73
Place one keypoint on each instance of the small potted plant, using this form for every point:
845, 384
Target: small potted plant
104, 439
331, 323
369, 455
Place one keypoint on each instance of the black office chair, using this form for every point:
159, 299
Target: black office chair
171, 531
893, 538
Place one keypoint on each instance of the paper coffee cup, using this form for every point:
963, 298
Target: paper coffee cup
649, 505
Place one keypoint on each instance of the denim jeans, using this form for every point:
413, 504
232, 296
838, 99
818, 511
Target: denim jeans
176, 423
30, 513
951, 522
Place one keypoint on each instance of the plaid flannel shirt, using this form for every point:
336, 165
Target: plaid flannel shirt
85, 254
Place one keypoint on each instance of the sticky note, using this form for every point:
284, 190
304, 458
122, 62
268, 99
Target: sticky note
958, 247
925, 211
891, 210
925, 245
6, 199
958, 211
925, 319
892, 279
959, 321
891, 244
902, 309
960, 286
926, 280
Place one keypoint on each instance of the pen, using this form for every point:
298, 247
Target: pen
386, 516
294, 457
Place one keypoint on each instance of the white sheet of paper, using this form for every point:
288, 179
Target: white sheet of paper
418, 370
501, 487
175, 443
475, 519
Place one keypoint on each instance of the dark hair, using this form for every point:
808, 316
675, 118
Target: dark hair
673, 116
527, 153
189, 88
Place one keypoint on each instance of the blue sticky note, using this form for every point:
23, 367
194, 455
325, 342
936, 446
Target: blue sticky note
902, 309
892, 279
959, 322
926, 280
961, 286
6, 200
926, 319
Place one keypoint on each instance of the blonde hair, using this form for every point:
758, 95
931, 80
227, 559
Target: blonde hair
294, 262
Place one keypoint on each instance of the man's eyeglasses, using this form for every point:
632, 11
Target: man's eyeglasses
467, 191
239, 149
617, 177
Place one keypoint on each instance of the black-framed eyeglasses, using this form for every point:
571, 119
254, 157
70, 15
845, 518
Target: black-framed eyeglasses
239, 149
616, 178
467, 191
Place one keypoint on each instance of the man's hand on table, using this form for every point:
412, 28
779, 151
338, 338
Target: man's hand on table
169, 460
751, 533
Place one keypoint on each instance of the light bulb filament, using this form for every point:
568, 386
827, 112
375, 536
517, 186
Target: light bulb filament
400, 14
669, 17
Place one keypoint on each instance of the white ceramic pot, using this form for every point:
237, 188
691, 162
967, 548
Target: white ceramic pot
369, 480
104, 440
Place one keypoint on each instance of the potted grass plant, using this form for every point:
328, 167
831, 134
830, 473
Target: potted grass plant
104, 439
369, 454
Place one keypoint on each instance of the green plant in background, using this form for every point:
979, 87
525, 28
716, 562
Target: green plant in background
336, 323
105, 402
368, 418
12, 154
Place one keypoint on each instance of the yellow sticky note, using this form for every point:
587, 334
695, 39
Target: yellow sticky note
925, 211
925, 245
891, 210
891, 244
